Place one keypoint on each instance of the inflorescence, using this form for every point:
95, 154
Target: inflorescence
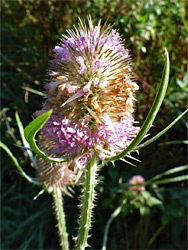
90, 90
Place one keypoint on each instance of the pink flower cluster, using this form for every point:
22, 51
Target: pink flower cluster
136, 182
76, 138
90, 89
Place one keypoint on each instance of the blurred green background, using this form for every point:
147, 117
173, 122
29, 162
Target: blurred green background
29, 31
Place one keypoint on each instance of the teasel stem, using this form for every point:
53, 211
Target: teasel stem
87, 203
60, 216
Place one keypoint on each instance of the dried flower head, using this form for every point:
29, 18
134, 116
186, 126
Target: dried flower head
90, 90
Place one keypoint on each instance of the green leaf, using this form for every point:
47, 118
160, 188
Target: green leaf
32, 129
145, 194
152, 114
150, 200
154, 201
144, 210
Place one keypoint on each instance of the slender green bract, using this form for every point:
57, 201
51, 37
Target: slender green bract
152, 114
161, 133
30, 132
25, 143
170, 180
60, 216
156, 178
88, 195
28, 178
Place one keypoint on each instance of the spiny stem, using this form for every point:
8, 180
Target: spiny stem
60, 216
88, 195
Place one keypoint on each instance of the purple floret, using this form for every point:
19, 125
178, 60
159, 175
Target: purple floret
75, 138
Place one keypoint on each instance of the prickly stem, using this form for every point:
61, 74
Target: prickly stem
60, 216
87, 203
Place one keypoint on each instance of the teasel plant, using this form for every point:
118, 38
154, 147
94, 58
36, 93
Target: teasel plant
86, 119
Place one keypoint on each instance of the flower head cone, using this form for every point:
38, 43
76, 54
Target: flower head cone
91, 93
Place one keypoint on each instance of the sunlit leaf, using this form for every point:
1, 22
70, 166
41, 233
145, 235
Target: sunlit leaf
154, 201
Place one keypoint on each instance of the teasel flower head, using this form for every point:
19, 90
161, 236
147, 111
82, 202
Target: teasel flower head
90, 90
135, 183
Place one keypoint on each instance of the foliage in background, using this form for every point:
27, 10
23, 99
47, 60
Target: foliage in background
30, 30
